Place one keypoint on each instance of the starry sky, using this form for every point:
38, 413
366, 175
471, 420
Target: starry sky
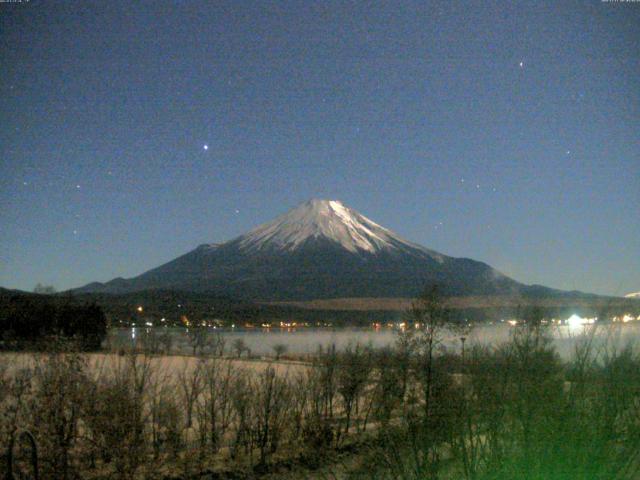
507, 132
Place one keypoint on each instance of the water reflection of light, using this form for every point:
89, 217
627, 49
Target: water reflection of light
133, 333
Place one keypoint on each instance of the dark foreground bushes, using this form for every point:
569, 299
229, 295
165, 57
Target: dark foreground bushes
513, 411
34, 322
518, 412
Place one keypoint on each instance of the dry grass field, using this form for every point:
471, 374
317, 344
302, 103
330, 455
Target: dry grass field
169, 365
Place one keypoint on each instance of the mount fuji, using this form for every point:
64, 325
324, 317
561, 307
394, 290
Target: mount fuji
321, 249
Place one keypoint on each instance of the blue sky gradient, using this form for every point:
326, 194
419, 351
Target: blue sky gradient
507, 132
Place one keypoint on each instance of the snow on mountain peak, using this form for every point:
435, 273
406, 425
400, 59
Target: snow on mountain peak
633, 295
329, 219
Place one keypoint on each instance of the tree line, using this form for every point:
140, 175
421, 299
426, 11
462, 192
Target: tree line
36, 322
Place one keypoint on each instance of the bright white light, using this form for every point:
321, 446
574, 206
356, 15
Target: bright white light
205, 146
149, 324
574, 321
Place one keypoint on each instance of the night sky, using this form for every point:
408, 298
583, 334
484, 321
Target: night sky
505, 132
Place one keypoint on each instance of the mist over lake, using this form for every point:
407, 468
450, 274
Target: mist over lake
261, 341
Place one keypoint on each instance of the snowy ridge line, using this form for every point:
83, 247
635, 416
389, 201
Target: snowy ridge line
327, 219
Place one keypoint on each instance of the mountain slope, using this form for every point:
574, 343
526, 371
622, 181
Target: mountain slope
320, 249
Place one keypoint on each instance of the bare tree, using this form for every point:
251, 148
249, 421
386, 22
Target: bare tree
239, 346
242, 401
166, 341
150, 341
198, 337
272, 394
389, 384
15, 389
300, 399
115, 414
215, 410
353, 374
279, 349
165, 415
218, 344
190, 383
429, 319
60, 386
321, 384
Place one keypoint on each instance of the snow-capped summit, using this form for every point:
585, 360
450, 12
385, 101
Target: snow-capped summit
323, 219
632, 295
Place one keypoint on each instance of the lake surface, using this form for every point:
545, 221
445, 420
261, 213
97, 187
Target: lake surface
307, 340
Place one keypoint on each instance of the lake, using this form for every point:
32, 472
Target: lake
307, 340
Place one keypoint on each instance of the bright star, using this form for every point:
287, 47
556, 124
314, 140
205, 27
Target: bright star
205, 147
521, 64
